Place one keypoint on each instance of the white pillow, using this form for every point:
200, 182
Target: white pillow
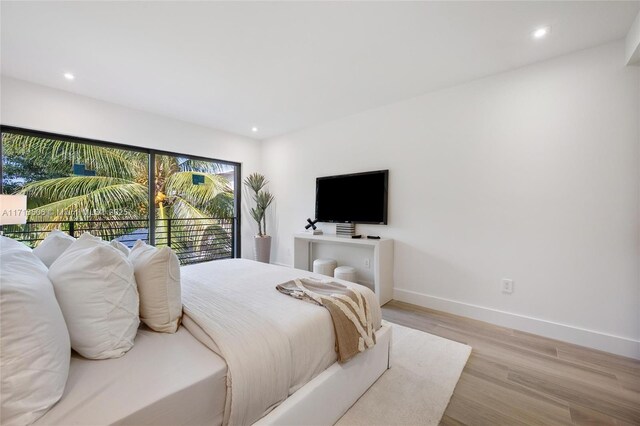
97, 293
157, 273
34, 343
53, 246
117, 244
10, 244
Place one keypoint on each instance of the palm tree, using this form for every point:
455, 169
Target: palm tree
119, 190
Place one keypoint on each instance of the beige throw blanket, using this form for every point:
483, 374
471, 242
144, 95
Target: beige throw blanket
349, 311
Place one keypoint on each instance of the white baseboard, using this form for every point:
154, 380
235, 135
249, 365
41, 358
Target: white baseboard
580, 336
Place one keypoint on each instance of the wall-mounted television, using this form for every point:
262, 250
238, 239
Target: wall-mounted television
357, 198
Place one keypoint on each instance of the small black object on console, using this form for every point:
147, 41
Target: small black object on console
312, 224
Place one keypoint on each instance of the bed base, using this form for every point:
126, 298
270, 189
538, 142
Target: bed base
329, 395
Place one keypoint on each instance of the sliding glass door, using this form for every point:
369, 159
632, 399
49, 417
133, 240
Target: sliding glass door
195, 207
123, 193
76, 187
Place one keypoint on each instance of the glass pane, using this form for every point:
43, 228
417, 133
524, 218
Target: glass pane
76, 187
195, 207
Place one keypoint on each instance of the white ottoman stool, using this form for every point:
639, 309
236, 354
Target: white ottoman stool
324, 266
347, 273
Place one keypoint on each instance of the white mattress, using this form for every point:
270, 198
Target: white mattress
165, 379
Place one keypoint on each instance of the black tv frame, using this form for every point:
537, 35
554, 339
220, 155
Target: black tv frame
386, 196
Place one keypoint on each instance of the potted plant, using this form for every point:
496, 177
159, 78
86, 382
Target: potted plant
263, 199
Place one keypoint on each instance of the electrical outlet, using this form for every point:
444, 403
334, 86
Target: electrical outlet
507, 286
367, 263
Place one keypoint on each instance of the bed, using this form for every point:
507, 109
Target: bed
245, 354
165, 379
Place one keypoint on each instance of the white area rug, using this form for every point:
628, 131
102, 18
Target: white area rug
416, 389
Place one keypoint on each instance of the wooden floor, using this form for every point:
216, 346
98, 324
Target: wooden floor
516, 378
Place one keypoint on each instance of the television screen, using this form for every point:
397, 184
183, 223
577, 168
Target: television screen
358, 198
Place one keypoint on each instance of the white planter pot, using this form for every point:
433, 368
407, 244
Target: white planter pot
262, 247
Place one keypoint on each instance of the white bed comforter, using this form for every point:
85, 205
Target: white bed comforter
273, 344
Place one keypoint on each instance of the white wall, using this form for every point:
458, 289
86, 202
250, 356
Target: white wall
532, 175
41, 108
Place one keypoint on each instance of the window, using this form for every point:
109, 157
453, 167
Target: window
195, 207
77, 185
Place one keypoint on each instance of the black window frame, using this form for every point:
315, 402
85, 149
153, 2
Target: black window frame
237, 192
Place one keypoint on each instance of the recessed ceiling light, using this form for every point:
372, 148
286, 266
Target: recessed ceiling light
254, 129
541, 32
69, 76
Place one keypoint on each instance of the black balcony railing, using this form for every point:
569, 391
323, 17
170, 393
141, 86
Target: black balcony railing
197, 240
193, 240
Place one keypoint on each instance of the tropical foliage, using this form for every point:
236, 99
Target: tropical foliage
263, 199
119, 190
17, 170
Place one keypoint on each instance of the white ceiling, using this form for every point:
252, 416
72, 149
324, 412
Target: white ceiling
285, 66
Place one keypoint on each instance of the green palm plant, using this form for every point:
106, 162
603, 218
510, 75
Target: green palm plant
263, 199
119, 191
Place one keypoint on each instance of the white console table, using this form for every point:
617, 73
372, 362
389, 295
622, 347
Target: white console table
381, 263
